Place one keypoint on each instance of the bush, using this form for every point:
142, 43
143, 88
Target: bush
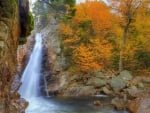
30, 21
143, 57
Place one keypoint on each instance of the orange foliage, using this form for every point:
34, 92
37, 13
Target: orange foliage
98, 13
102, 50
93, 32
88, 52
83, 57
95, 56
66, 31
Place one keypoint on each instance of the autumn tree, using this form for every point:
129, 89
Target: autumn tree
94, 56
141, 32
84, 36
95, 12
97, 37
84, 58
127, 9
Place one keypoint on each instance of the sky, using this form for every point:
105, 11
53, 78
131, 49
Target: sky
78, 1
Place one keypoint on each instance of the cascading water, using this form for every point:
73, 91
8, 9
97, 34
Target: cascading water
31, 76
30, 90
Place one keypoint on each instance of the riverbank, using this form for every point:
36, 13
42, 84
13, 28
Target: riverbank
62, 80
128, 91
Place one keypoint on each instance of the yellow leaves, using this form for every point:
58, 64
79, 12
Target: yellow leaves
84, 58
70, 42
100, 16
96, 12
65, 30
95, 56
103, 48
81, 14
88, 52
92, 38
71, 39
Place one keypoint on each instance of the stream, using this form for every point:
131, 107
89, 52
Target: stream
30, 91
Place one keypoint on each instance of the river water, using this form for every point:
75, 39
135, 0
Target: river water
30, 90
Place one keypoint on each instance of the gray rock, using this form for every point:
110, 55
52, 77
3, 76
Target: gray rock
97, 82
86, 91
139, 105
98, 74
140, 85
72, 91
107, 91
79, 91
138, 93
117, 83
133, 88
126, 75
118, 103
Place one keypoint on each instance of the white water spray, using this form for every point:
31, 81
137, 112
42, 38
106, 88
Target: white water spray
31, 77
30, 90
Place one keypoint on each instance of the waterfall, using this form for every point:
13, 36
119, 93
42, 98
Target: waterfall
31, 76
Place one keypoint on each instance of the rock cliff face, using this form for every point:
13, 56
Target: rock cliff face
24, 51
23, 14
9, 33
54, 60
52, 42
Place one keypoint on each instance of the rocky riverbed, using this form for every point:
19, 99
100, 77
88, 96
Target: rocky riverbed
128, 91
126, 88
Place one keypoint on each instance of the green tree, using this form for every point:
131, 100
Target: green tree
127, 9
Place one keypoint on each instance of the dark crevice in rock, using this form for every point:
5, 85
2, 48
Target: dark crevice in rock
23, 13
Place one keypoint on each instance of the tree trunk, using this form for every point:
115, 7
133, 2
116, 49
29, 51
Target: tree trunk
123, 43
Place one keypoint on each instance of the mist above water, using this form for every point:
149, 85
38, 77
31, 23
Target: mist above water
30, 90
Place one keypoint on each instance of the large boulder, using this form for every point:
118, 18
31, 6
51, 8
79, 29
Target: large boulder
117, 83
97, 82
121, 81
107, 91
118, 103
71, 91
86, 91
136, 93
126, 75
98, 74
139, 105
79, 91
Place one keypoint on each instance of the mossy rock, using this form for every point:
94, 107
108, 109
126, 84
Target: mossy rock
7, 8
97, 82
126, 75
117, 83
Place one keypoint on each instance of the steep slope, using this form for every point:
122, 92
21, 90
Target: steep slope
9, 33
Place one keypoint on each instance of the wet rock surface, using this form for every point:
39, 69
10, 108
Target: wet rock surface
10, 31
139, 105
123, 86
119, 103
